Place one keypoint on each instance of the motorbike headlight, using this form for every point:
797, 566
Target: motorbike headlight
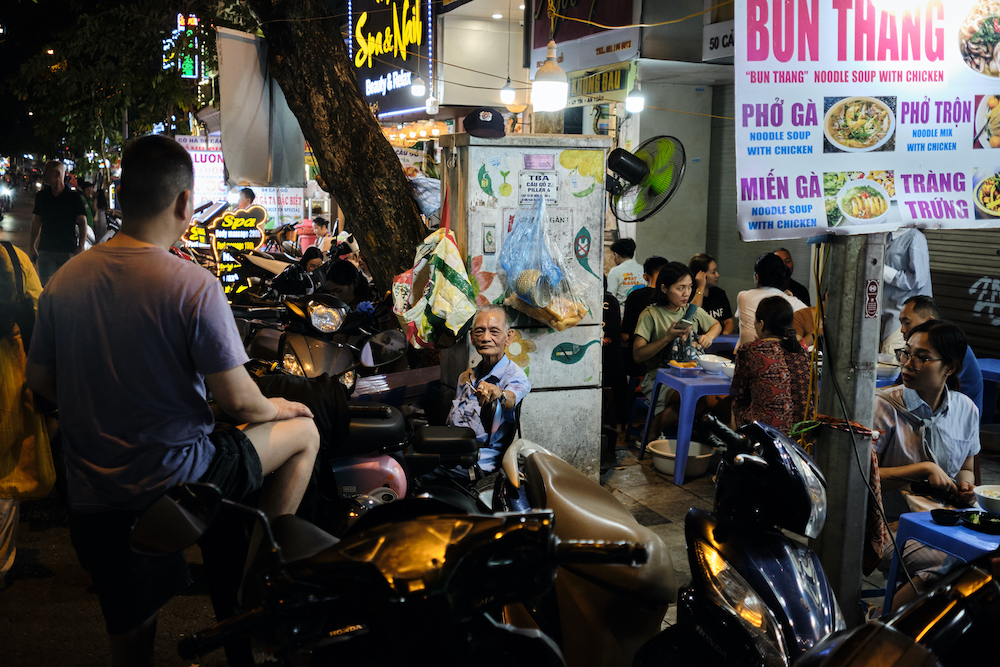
732, 592
324, 318
291, 362
816, 490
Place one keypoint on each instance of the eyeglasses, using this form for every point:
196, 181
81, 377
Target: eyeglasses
902, 356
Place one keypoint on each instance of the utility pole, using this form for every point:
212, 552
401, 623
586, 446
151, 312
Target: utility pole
850, 357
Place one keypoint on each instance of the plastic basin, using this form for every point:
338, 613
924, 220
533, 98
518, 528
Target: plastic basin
699, 457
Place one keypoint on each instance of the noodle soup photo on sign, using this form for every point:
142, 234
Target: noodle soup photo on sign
858, 197
979, 38
859, 124
986, 195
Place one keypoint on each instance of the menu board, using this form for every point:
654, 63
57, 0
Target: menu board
862, 116
235, 231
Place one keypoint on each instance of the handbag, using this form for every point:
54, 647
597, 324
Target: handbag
23, 308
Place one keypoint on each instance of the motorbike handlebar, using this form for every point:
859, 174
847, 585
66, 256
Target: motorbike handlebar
592, 552
257, 312
209, 639
727, 435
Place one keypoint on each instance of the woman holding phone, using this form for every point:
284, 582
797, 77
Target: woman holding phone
666, 331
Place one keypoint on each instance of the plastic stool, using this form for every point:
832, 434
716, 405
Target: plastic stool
957, 541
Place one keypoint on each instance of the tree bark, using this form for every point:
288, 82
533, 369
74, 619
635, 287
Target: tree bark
308, 59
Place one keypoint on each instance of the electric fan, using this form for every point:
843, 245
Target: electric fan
646, 180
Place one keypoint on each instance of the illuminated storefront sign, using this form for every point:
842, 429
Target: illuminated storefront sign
392, 42
235, 232
181, 49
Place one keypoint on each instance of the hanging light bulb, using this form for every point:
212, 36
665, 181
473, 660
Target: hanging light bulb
507, 93
635, 102
551, 86
418, 87
413, 134
435, 132
431, 106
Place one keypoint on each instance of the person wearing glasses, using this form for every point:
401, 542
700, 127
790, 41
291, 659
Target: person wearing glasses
919, 309
930, 432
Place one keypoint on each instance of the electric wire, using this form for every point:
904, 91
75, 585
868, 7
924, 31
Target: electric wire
552, 13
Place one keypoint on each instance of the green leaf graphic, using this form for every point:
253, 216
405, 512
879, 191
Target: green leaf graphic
485, 182
570, 353
584, 193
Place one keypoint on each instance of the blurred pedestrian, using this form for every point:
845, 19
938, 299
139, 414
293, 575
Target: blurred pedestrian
58, 222
26, 469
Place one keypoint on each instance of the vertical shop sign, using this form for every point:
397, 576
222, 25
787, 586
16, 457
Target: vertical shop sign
235, 232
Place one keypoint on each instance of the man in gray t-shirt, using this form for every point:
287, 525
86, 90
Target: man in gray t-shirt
129, 340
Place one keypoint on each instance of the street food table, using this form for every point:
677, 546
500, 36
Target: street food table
690, 389
957, 540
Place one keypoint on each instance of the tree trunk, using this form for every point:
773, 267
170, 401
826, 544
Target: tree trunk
308, 59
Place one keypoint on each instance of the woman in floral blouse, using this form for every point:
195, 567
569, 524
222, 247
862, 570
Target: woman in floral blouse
772, 373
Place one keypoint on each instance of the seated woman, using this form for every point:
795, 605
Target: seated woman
772, 373
770, 276
495, 378
708, 294
661, 336
347, 283
930, 432
311, 259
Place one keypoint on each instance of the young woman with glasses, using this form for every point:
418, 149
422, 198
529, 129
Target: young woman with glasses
930, 432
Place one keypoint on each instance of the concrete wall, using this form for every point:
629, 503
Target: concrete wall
482, 46
678, 230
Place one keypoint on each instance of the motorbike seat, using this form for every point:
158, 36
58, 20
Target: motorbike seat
584, 510
454, 445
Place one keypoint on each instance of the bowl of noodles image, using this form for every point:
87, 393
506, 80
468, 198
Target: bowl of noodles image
863, 202
859, 124
987, 197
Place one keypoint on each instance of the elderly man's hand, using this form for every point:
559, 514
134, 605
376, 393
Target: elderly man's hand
487, 392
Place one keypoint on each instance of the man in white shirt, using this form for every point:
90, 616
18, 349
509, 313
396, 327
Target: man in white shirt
627, 273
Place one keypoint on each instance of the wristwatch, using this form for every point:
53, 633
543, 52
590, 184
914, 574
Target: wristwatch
700, 293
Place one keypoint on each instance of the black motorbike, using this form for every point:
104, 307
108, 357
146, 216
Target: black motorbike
409, 585
757, 597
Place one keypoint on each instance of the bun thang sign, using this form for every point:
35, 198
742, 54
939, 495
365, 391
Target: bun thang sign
864, 116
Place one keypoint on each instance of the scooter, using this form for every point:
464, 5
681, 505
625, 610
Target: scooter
599, 615
411, 584
952, 624
756, 596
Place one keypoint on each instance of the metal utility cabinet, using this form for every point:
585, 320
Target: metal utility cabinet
488, 180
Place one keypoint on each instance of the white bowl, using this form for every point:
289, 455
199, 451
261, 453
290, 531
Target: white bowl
991, 505
838, 106
699, 457
729, 369
886, 371
712, 363
881, 192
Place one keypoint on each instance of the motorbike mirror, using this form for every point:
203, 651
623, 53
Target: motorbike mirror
491, 414
177, 520
383, 348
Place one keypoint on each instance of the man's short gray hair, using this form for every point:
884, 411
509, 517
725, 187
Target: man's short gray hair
494, 308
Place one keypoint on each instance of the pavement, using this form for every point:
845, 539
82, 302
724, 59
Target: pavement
49, 614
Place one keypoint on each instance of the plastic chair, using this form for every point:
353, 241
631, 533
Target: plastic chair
957, 541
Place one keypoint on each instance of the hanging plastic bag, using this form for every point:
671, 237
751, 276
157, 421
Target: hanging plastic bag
434, 299
427, 192
534, 281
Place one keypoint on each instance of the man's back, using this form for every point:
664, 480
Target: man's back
145, 327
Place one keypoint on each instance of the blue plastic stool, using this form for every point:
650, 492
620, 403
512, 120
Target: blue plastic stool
957, 541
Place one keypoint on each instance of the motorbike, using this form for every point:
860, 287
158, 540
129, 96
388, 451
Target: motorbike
411, 584
598, 615
756, 597
951, 624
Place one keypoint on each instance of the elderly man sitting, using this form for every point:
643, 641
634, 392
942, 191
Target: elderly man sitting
495, 378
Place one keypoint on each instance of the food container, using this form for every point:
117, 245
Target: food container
886, 371
683, 372
988, 503
712, 363
729, 368
699, 457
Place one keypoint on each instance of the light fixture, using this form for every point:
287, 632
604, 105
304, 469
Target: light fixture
392, 137
413, 134
418, 87
521, 7
423, 133
507, 93
51, 52
435, 132
635, 102
431, 106
551, 86
31, 113
498, 16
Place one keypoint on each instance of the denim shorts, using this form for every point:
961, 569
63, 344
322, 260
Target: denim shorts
131, 586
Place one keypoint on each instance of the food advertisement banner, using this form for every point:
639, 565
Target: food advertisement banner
862, 116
